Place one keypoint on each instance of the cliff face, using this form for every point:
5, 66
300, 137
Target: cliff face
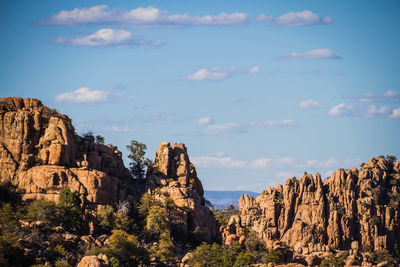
350, 209
41, 154
172, 177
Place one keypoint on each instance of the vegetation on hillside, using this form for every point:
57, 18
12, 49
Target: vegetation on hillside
138, 163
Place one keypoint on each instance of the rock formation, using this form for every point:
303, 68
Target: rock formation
351, 210
40, 153
173, 177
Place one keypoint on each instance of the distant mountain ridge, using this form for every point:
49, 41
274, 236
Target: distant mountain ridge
222, 199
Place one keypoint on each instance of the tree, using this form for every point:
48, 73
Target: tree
207, 255
156, 221
42, 210
332, 261
105, 218
124, 247
273, 256
99, 139
108, 220
244, 259
70, 211
139, 162
11, 251
254, 245
164, 250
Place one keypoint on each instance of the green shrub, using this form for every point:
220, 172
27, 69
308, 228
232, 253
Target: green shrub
164, 250
207, 255
274, 256
146, 202
11, 251
223, 216
230, 253
62, 264
99, 139
197, 237
254, 245
244, 259
55, 253
70, 127
42, 210
8, 215
105, 218
156, 221
332, 261
124, 247
69, 210
384, 255
114, 262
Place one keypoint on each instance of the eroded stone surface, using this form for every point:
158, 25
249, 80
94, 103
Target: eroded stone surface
175, 178
41, 154
349, 210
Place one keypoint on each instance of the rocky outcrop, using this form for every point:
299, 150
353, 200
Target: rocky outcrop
351, 210
94, 261
173, 178
40, 153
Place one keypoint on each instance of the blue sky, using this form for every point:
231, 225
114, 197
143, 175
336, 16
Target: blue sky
258, 91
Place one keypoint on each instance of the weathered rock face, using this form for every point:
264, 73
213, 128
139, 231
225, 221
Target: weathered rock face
41, 154
349, 210
94, 261
173, 177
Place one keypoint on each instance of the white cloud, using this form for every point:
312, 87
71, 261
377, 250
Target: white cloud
340, 109
207, 162
301, 18
309, 103
105, 37
281, 123
391, 93
254, 69
87, 95
330, 163
395, 113
139, 17
83, 95
117, 129
373, 111
388, 96
285, 160
205, 120
206, 75
217, 74
227, 129
365, 100
312, 162
285, 167
323, 53
260, 163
